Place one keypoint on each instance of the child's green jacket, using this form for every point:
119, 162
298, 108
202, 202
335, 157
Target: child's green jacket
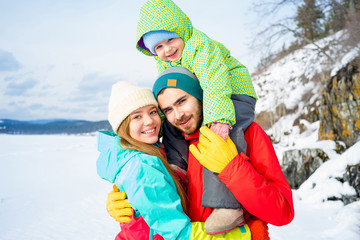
220, 74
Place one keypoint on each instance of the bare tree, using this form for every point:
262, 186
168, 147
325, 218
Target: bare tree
352, 27
311, 21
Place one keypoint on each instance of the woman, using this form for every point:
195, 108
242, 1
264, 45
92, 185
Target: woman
134, 161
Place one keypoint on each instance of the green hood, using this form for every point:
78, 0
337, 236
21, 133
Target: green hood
220, 74
162, 15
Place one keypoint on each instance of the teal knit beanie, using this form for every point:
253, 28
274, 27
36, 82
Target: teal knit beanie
178, 77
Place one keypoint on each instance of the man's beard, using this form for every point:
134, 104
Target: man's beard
197, 116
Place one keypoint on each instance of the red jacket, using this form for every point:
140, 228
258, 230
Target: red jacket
256, 181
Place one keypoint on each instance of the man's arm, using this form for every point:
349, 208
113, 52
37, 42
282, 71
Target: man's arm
258, 182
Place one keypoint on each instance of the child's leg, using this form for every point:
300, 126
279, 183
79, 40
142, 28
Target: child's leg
228, 211
244, 110
215, 193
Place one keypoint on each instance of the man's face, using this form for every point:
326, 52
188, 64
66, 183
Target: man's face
182, 110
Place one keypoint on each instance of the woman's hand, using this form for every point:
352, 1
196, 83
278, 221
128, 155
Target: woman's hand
118, 206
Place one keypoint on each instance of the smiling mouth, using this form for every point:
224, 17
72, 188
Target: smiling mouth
172, 55
185, 123
149, 131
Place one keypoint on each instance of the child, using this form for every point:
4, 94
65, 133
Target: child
134, 162
165, 32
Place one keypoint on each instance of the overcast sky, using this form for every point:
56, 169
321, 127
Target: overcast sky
58, 59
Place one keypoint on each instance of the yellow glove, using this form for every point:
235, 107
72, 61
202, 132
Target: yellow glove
118, 206
212, 151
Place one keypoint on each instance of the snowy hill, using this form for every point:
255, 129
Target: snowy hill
289, 86
288, 90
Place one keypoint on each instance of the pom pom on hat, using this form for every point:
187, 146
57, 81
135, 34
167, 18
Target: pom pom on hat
125, 98
152, 38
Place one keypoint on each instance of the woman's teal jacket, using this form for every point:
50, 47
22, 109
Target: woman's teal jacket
148, 185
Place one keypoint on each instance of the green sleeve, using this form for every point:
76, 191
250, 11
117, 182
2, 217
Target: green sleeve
214, 75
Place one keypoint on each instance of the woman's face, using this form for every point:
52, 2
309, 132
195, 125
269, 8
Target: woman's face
145, 124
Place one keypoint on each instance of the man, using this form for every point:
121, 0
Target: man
255, 180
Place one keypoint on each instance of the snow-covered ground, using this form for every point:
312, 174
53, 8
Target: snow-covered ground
49, 190
315, 217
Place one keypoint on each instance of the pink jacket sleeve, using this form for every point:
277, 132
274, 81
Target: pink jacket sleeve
136, 229
257, 181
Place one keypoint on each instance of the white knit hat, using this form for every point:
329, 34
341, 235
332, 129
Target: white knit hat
124, 99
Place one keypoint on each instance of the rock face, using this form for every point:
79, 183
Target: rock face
339, 110
339, 115
352, 176
299, 164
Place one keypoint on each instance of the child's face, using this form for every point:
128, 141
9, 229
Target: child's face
170, 49
145, 124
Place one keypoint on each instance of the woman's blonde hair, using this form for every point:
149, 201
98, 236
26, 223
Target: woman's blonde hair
128, 142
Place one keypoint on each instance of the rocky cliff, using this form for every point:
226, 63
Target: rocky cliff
339, 110
310, 109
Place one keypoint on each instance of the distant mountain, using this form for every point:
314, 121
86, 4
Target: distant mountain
44, 121
52, 126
